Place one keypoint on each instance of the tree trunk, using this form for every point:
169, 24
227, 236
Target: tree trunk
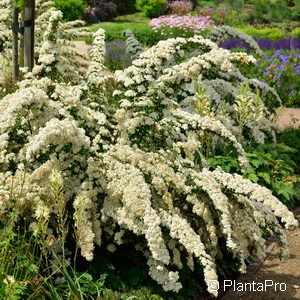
29, 12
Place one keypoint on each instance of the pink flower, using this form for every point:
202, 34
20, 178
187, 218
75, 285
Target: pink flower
186, 23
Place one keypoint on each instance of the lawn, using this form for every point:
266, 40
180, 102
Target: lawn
137, 23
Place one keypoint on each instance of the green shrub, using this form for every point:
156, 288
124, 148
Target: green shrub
295, 11
278, 10
207, 3
71, 9
261, 8
275, 11
151, 8
270, 33
296, 33
233, 18
236, 4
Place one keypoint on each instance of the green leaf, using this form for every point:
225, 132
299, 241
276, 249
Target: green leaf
285, 189
252, 177
256, 162
265, 176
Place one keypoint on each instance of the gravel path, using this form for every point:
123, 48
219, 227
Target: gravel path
83, 48
288, 117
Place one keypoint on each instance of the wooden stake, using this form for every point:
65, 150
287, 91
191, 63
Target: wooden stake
29, 8
21, 44
15, 42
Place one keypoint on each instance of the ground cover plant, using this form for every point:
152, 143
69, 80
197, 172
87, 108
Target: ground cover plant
92, 160
272, 165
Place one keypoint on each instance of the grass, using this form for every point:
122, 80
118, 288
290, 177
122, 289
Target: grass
137, 23
132, 22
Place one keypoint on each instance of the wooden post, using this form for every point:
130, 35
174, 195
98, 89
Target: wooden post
29, 8
15, 42
21, 44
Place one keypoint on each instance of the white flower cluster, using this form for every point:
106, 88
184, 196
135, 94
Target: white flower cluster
55, 52
5, 41
85, 235
127, 162
56, 58
224, 32
5, 24
97, 54
133, 46
246, 112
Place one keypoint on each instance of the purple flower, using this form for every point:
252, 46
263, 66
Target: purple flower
291, 93
277, 76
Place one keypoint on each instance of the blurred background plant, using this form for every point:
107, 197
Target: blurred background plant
105, 10
152, 8
71, 9
180, 7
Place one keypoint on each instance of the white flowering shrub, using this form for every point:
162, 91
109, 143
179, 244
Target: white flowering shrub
55, 54
125, 145
164, 72
133, 46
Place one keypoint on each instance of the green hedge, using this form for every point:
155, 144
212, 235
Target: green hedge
152, 8
270, 33
295, 33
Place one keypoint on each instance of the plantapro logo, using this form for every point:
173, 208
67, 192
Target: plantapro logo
253, 286
213, 285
